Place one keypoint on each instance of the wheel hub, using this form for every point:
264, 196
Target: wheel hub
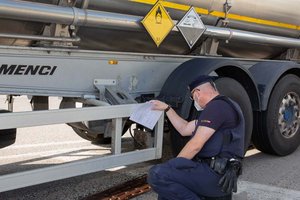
289, 115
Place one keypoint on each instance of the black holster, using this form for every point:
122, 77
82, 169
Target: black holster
218, 164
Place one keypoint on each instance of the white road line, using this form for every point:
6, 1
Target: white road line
49, 144
253, 191
70, 151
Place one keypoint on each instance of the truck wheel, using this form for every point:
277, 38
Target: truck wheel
7, 136
281, 133
233, 89
81, 128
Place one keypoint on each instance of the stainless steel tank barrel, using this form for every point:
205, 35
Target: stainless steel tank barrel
271, 14
115, 24
45, 13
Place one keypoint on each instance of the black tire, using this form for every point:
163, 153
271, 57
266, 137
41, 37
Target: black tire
233, 89
177, 141
7, 136
80, 127
283, 111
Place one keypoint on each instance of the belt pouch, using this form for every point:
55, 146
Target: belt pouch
219, 165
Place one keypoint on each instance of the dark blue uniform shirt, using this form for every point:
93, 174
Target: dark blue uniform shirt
218, 114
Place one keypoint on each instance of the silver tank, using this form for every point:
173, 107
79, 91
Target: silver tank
275, 17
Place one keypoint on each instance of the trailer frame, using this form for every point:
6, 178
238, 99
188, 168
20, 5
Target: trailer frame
116, 158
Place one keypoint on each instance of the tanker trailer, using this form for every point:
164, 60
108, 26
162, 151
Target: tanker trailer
247, 45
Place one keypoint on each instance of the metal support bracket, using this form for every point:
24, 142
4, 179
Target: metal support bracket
109, 92
59, 30
227, 7
210, 47
101, 84
10, 102
291, 54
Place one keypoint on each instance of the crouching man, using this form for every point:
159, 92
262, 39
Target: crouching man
209, 164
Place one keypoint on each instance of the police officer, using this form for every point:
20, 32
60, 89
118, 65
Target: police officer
208, 165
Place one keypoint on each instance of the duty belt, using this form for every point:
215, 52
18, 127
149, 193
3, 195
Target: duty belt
218, 164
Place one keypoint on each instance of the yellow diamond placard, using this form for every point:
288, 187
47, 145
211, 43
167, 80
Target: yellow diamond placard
158, 23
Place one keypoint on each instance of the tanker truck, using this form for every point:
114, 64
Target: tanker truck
101, 53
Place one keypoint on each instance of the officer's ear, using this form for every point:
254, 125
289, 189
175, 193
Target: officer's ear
213, 85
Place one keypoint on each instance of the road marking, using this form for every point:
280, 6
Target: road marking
49, 144
253, 191
75, 151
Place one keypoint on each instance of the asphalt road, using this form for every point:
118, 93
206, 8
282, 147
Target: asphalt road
264, 176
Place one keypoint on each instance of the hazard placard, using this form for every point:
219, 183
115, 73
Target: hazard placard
158, 23
191, 27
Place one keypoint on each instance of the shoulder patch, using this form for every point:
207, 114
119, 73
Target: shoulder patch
205, 121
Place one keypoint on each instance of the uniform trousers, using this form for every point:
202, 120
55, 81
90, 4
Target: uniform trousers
184, 179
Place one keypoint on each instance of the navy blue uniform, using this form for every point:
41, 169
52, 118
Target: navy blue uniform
183, 179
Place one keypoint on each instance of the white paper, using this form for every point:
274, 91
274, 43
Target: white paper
145, 116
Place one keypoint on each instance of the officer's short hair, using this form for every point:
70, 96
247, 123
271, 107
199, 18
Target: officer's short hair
201, 80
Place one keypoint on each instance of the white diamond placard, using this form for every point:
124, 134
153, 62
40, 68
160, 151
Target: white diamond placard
191, 27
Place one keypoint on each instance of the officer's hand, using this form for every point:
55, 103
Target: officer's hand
158, 105
229, 180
